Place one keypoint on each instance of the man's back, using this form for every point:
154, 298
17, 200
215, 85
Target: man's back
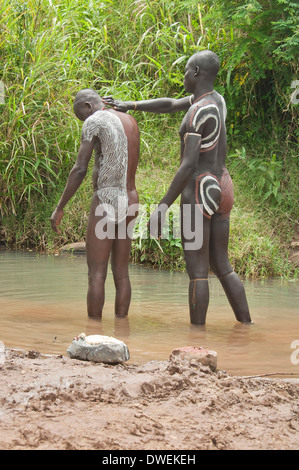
117, 145
207, 118
133, 142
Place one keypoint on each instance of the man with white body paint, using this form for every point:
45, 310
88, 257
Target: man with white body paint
203, 183
115, 139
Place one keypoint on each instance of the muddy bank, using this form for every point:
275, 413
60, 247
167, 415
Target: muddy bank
54, 402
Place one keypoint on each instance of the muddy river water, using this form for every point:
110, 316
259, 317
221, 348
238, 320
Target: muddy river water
43, 306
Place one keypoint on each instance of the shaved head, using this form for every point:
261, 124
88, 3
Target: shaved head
86, 95
86, 102
207, 61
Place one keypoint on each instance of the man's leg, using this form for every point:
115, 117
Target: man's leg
97, 252
120, 258
220, 265
197, 265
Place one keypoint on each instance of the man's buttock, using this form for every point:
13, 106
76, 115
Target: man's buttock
227, 193
114, 203
214, 195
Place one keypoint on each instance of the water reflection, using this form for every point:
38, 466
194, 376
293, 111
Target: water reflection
43, 306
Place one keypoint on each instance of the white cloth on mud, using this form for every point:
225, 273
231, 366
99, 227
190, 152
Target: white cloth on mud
112, 162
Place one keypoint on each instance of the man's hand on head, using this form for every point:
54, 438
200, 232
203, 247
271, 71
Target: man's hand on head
117, 105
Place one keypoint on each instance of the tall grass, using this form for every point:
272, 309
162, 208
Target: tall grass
49, 49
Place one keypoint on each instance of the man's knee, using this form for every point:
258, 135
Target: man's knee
120, 273
97, 276
221, 270
197, 267
120, 266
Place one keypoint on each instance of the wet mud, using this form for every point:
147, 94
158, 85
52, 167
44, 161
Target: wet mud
54, 402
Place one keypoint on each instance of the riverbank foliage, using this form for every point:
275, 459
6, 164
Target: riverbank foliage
49, 49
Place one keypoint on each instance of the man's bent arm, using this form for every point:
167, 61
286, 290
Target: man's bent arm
181, 178
186, 170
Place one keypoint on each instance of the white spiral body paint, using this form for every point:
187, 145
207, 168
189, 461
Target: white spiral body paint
112, 162
206, 184
204, 113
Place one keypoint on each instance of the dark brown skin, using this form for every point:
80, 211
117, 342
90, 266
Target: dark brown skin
98, 251
201, 71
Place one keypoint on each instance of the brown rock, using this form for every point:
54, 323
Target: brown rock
77, 247
200, 355
294, 257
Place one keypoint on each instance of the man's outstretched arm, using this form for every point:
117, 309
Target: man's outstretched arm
158, 105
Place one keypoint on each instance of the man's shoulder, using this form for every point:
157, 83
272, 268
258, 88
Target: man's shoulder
96, 116
204, 108
204, 116
213, 99
208, 104
126, 119
122, 115
92, 125
98, 119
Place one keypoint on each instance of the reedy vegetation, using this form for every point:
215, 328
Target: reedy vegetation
49, 49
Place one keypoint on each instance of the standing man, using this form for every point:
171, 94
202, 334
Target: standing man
114, 137
204, 184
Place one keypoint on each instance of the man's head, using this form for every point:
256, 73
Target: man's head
203, 65
87, 102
